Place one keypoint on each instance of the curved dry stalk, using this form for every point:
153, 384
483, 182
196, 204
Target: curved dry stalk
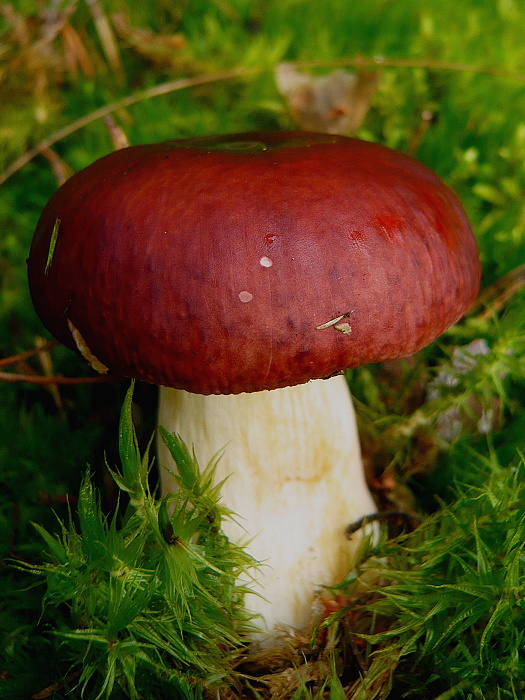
156, 91
38, 379
429, 64
48, 379
236, 73
106, 36
19, 357
496, 296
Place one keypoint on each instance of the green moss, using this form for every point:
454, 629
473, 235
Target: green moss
442, 610
447, 102
155, 595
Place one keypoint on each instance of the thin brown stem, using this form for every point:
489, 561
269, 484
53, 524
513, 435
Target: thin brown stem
238, 73
428, 64
498, 294
156, 91
379, 517
13, 359
38, 379
52, 689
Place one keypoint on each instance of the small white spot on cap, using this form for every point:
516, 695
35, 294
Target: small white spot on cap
266, 262
245, 297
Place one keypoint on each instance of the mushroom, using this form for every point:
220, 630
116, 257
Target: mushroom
243, 274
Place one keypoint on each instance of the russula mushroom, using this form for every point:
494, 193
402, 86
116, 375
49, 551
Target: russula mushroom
243, 274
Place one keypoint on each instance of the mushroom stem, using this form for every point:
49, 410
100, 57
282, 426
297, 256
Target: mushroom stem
295, 481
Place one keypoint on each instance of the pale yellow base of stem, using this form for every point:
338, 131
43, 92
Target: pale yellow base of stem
295, 481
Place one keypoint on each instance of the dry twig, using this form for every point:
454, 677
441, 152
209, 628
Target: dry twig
241, 73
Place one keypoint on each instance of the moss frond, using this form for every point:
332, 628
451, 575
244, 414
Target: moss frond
441, 609
156, 594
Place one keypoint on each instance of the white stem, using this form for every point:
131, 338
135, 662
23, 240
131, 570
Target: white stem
295, 481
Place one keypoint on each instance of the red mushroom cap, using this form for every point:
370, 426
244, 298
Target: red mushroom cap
252, 261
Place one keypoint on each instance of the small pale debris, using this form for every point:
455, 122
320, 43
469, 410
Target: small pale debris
266, 262
52, 244
86, 353
245, 297
335, 103
345, 328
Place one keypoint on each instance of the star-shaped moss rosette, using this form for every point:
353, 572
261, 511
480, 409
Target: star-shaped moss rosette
153, 596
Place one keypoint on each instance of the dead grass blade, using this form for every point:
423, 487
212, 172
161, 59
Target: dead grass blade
497, 295
156, 91
239, 73
106, 36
